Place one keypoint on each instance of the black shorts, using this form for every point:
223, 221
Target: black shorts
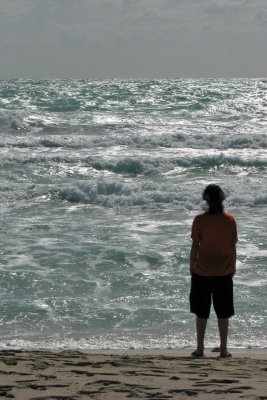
208, 289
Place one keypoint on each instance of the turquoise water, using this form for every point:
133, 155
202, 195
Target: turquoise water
100, 182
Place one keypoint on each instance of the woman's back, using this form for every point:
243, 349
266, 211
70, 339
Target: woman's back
217, 236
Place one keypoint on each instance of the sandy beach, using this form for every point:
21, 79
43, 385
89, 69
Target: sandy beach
73, 375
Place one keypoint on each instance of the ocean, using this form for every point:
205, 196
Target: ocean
100, 182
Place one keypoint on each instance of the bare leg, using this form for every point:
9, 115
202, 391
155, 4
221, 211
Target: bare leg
223, 324
201, 324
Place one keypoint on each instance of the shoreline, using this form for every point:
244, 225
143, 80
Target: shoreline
182, 351
154, 374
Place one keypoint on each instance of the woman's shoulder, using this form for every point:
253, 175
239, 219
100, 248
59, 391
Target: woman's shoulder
229, 216
220, 216
200, 216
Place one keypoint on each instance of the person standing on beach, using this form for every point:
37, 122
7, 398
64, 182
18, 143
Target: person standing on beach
212, 267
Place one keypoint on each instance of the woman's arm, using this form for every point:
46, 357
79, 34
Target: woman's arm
234, 257
193, 255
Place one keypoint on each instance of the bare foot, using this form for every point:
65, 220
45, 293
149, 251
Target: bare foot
197, 353
225, 354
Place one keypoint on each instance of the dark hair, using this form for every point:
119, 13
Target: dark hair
214, 196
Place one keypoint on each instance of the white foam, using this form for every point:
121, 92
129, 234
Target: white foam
127, 342
11, 120
105, 119
21, 120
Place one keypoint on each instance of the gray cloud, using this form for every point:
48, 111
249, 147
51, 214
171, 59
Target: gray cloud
133, 38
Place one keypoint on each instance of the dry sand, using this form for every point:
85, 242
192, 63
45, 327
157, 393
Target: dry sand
134, 375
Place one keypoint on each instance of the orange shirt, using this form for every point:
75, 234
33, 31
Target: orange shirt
216, 235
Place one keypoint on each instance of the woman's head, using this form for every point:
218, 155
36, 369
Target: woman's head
214, 196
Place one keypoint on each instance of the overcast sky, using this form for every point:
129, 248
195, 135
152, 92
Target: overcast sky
133, 38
